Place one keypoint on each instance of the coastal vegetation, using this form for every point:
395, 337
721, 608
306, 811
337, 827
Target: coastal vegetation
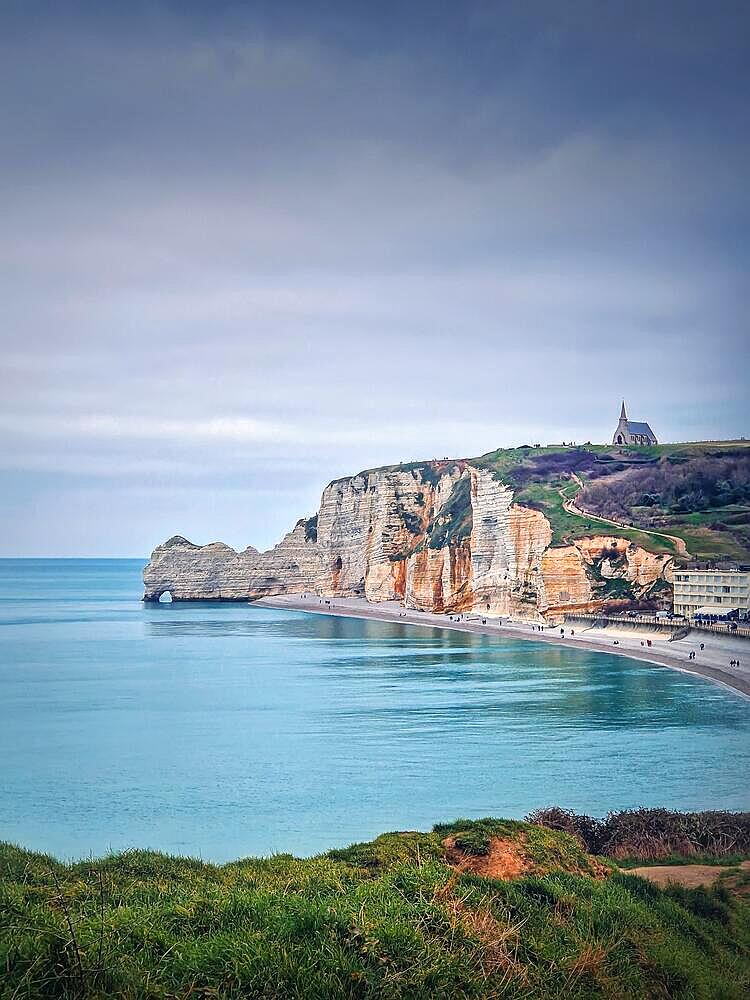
699, 493
704, 499
454, 523
476, 908
550, 497
654, 834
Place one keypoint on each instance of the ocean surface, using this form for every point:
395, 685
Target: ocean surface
224, 730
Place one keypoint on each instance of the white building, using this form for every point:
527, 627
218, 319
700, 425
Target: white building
721, 588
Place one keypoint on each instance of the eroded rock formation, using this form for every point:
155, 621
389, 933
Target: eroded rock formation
438, 536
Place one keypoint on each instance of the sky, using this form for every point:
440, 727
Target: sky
248, 248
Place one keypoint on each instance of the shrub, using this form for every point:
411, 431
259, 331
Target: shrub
696, 483
556, 818
651, 834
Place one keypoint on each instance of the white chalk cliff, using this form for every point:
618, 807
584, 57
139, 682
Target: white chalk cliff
440, 536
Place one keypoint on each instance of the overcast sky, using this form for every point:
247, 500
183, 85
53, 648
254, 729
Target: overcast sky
248, 248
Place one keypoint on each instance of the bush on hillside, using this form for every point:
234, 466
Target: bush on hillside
654, 833
556, 818
697, 484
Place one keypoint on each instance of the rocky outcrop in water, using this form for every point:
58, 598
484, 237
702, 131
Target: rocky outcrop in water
440, 536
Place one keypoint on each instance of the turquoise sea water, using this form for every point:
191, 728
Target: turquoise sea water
224, 730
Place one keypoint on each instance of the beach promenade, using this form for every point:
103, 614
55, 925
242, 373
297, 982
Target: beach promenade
724, 659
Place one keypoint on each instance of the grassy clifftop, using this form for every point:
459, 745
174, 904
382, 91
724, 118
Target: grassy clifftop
699, 493
481, 909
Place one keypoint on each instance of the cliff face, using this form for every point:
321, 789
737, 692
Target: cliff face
440, 537
216, 572
368, 525
596, 569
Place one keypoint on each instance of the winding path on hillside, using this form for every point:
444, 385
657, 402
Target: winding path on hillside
572, 508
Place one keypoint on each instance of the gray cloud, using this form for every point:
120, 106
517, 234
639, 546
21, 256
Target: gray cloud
243, 253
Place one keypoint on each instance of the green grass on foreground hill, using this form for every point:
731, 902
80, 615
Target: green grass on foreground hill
388, 919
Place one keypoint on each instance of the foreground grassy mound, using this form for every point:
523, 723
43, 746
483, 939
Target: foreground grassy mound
407, 915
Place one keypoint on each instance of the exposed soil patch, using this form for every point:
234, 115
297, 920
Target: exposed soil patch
504, 859
688, 876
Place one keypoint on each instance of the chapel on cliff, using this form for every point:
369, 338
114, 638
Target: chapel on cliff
632, 431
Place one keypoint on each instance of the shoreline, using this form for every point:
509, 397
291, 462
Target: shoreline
712, 666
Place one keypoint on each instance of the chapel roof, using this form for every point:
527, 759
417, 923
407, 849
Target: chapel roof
636, 427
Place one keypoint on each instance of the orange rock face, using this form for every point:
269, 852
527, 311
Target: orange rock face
645, 568
565, 582
530, 535
440, 579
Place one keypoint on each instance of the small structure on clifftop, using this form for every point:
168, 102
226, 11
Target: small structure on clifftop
632, 431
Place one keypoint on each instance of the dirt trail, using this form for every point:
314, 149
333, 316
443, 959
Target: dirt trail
689, 876
572, 508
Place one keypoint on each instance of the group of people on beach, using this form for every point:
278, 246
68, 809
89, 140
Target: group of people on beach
692, 653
